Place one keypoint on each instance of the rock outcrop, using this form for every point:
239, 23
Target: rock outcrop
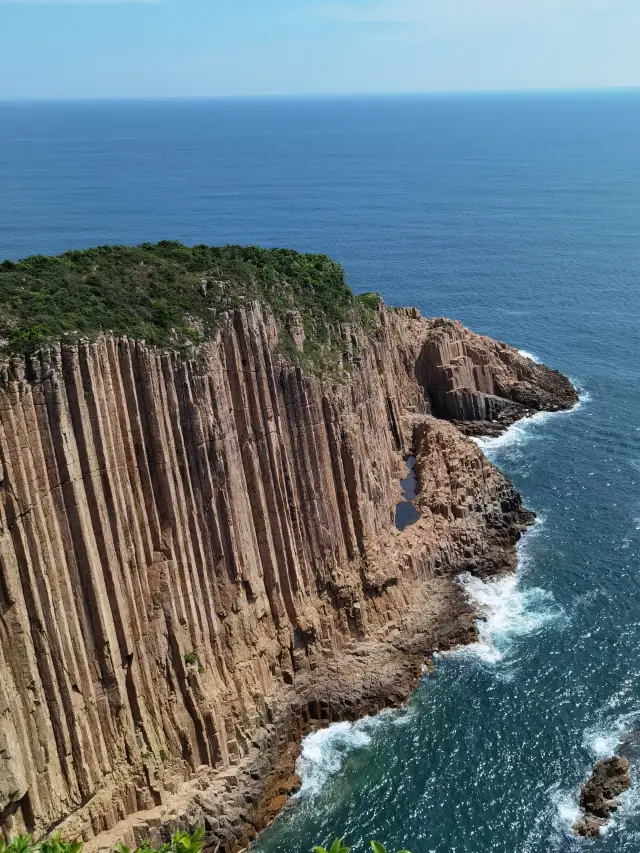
609, 779
198, 560
485, 385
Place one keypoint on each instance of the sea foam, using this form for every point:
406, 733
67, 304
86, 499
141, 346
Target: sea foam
523, 430
601, 740
323, 752
507, 609
526, 354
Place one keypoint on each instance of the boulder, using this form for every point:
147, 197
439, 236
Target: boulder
610, 778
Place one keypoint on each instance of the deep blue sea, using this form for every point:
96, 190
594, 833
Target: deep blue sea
519, 215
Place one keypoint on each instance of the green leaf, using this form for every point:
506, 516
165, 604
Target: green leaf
338, 847
20, 844
377, 847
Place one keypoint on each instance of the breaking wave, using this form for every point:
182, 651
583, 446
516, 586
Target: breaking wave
526, 354
523, 430
601, 740
324, 751
507, 612
507, 609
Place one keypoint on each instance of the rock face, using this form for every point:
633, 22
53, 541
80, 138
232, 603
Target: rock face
198, 560
485, 385
609, 779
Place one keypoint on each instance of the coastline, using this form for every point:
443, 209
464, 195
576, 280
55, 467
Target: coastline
474, 613
344, 692
216, 539
373, 676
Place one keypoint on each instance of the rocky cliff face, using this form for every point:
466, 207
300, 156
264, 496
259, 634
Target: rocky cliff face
484, 385
198, 558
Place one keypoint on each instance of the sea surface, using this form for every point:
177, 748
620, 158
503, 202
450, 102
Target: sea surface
519, 215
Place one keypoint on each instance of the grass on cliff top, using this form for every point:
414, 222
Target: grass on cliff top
155, 293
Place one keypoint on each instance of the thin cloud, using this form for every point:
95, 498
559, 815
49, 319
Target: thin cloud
463, 12
76, 2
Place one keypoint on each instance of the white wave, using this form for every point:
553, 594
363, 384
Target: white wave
521, 431
604, 738
526, 354
507, 612
516, 434
567, 810
507, 609
324, 751
601, 740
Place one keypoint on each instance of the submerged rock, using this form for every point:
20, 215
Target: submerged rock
610, 778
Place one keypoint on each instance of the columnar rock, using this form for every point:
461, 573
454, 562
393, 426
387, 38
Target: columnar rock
471, 378
199, 556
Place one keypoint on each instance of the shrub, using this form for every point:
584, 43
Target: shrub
370, 300
339, 847
181, 842
168, 294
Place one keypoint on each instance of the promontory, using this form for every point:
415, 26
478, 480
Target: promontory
201, 452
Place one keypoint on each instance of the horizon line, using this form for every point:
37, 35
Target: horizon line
326, 95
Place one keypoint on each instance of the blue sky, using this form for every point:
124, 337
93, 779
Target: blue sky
173, 48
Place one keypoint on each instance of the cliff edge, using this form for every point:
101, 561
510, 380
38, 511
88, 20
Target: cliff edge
198, 555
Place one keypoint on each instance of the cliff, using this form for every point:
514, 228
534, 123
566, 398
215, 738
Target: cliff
198, 558
483, 385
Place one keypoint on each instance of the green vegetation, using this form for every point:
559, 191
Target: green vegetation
181, 842
172, 295
339, 847
370, 300
193, 659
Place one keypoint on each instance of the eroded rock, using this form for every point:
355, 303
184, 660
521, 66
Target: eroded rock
484, 385
199, 563
610, 778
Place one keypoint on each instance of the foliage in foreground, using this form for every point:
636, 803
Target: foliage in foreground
181, 842
169, 294
338, 846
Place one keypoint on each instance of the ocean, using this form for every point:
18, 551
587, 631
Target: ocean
520, 216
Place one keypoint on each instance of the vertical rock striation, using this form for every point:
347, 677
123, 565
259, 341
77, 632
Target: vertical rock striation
484, 385
198, 557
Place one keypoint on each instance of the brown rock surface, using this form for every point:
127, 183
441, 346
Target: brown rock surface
482, 384
609, 779
198, 562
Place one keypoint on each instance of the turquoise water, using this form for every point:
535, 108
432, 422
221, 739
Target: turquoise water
521, 217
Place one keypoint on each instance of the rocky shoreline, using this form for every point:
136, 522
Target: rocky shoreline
609, 779
200, 559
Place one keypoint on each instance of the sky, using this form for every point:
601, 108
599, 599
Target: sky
53, 49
